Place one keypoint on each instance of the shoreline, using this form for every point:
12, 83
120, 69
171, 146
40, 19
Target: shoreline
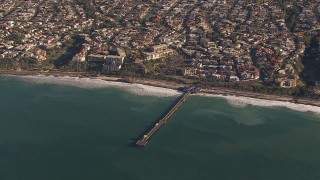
170, 85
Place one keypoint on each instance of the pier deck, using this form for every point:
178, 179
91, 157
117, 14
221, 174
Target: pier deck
159, 124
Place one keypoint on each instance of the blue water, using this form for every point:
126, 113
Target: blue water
56, 132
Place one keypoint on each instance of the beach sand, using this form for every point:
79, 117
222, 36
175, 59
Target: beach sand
151, 87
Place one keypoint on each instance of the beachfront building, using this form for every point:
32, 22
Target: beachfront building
111, 62
114, 61
157, 52
96, 58
233, 78
111, 66
287, 83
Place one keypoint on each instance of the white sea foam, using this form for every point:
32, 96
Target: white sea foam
136, 89
144, 90
240, 101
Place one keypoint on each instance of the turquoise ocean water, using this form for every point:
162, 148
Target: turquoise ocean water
57, 132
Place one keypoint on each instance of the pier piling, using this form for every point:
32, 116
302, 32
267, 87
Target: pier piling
159, 124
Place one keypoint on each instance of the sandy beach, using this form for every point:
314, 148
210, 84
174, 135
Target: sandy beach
170, 88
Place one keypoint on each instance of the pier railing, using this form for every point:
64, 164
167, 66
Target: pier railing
159, 124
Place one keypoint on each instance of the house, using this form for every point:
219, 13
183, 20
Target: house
189, 71
287, 83
96, 58
79, 57
41, 54
113, 62
117, 59
233, 78
159, 48
111, 66
157, 52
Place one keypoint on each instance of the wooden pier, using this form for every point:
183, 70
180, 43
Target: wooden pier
164, 120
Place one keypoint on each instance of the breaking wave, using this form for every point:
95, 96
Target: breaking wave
145, 90
88, 83
241, 102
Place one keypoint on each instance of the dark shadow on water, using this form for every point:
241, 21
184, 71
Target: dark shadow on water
149, 127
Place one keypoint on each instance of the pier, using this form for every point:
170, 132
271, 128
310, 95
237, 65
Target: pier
164, 120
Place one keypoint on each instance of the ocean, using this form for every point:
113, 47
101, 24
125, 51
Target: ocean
64, 128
